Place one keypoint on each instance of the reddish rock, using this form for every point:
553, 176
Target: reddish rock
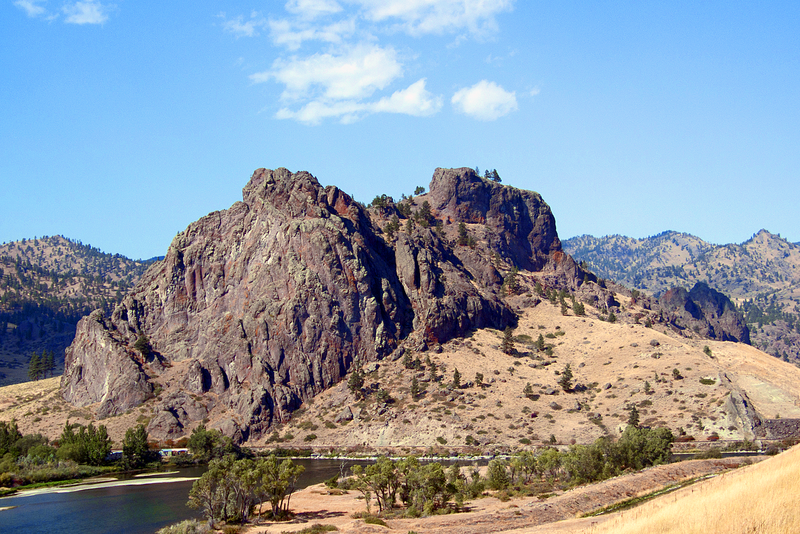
270, 302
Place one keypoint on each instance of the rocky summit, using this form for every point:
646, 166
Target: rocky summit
258, 308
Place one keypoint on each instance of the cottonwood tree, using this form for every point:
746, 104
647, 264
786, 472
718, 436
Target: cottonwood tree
136, 452
230, 488
90, 445
207, 444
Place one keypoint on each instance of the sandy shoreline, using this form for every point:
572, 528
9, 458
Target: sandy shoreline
100, 484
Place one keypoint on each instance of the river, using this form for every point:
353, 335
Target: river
140, 505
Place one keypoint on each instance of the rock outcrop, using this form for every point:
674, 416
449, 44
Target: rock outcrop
523, 229
707, 312
258, 308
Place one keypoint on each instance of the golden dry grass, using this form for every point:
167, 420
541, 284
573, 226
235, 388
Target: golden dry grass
759, 499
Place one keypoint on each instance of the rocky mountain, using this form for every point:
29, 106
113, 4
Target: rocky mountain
46, 285
761, 275
257, 309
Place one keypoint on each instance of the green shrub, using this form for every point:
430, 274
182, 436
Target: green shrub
497, 475
190, 526
374, 520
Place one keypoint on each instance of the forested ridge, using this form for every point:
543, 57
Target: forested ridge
46, 285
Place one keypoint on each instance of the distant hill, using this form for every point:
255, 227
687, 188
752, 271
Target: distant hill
761, 275
46, 285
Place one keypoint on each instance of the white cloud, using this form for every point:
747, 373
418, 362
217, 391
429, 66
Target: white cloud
414, 100
30, 7
354, 74
89, 12
311, 9
437, 16
292, 35
241, 28
485, 101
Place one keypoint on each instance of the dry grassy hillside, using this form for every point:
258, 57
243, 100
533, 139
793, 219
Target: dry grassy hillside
617, 363
760, 498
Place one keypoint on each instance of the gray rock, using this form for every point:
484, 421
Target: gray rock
345, 415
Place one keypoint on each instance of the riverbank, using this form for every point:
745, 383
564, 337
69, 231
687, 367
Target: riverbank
99, 484
555, 514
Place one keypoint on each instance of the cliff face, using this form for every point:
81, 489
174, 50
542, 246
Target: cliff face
523, 227
266, 304
707, 312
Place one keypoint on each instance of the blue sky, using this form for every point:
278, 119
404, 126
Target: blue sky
122, 122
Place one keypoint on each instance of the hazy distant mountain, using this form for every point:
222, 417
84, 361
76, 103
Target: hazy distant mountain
46, 286
762, 275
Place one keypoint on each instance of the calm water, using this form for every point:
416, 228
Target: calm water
121, 509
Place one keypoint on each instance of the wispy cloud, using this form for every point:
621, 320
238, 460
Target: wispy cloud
30, 7
418, 17
311, 9
241, 27
484, 101
354, 74
292, 34
415, 100
89, 12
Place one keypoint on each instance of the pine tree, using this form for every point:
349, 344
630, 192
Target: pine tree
633, 418
356, 382
35, 366
463, 237
142, 344
50, 363
431, 369
414, 388
566, 378
507, 346
510, 285
456, 379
